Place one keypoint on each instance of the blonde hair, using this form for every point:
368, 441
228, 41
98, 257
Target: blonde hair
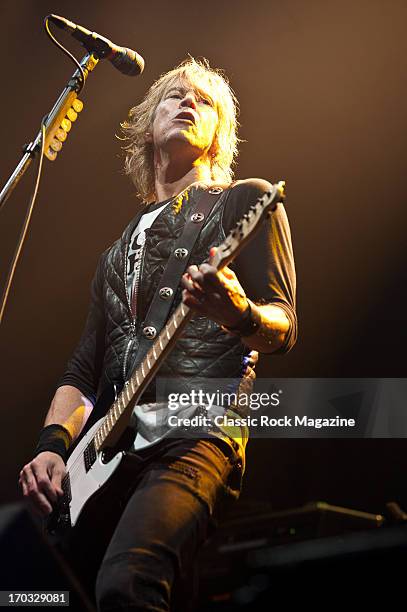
139, 157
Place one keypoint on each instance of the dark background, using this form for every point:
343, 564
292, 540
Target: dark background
323, 87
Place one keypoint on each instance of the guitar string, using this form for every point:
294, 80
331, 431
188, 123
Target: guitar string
177, 318
76, 467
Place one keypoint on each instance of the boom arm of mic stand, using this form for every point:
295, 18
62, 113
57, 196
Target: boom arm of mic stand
53, 120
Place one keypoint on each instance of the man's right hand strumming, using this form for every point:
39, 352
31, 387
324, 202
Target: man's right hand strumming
40, 481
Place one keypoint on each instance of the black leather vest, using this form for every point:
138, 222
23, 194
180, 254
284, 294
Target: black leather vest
204, 350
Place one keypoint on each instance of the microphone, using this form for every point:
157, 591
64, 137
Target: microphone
126, 60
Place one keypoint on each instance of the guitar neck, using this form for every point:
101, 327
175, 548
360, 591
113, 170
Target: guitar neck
118, 416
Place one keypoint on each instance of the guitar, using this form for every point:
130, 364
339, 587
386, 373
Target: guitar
98, 462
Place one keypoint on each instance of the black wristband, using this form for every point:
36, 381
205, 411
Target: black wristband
248, 324
54, 439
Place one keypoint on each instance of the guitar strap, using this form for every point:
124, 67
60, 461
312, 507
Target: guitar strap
177, 263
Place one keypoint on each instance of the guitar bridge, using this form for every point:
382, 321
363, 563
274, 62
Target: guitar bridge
60, 519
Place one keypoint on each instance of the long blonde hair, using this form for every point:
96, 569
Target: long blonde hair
139, 159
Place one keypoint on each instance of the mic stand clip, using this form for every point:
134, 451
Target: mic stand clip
57, 124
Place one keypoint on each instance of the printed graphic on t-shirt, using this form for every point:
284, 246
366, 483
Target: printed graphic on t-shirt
135, 252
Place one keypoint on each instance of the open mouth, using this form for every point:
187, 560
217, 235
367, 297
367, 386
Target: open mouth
186, 116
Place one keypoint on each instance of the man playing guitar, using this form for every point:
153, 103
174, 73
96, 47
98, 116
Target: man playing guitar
180, 144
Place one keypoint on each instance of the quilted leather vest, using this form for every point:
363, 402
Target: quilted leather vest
204, 350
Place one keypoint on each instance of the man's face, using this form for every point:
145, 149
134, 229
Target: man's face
185, 120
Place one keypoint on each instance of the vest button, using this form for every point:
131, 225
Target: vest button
180, 253
165, 293
197, 217
150, 332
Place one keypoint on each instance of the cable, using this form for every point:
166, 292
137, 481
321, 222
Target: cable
25, 226
68, 53
27, 219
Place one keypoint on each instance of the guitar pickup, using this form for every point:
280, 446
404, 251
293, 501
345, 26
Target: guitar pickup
90, 455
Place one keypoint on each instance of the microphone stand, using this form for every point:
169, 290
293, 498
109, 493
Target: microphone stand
52, 123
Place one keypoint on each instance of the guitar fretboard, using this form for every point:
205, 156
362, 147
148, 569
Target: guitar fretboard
142, 375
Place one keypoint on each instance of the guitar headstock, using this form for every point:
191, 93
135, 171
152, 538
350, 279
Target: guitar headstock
247, 225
